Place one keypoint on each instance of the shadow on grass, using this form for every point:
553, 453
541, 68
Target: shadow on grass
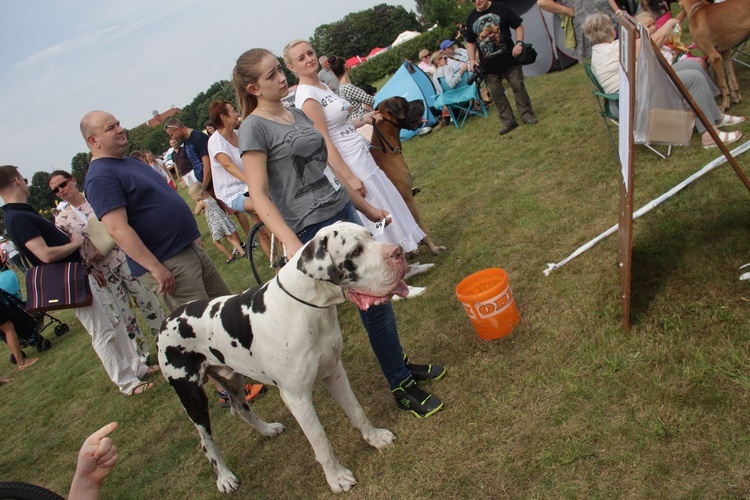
669, 244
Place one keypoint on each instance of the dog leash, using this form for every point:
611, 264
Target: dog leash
297, 298
383, 141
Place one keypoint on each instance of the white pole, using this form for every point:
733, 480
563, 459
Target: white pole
650, 205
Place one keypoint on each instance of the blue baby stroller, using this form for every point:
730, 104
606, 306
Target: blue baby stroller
29, 325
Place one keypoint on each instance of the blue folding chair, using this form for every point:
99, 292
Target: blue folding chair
462, 100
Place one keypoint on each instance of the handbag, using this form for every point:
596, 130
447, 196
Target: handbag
60, 285
99, 236
528, 54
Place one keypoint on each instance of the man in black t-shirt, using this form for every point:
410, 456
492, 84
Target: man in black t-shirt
489, 41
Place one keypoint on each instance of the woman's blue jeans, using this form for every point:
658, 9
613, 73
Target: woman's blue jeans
379, 321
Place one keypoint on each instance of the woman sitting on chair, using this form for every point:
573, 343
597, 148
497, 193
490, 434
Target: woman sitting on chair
446, 71
605, 66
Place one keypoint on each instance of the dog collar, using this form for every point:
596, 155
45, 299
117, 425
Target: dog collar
297, 298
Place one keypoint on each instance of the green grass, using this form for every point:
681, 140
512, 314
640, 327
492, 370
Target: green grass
568, 406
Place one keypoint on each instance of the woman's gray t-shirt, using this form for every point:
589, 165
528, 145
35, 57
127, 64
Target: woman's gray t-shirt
297, 157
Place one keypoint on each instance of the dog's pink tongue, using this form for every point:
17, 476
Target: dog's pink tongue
365, 301
401, 289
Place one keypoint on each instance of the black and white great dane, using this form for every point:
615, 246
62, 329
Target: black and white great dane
285, 333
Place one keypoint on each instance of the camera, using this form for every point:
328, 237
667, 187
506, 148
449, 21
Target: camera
477, 74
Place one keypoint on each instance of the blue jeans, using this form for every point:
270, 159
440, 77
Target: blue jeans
379, 321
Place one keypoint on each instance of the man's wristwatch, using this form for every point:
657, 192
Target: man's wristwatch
519, 42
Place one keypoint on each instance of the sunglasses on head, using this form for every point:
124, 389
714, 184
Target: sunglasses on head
59, 187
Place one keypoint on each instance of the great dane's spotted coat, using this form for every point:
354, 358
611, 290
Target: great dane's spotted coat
288, 337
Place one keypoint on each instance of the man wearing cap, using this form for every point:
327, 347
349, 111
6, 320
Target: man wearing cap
456, 56
488, 37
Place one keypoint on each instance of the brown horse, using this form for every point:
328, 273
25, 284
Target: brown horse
716, 29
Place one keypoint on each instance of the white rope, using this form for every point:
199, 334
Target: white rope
649, 206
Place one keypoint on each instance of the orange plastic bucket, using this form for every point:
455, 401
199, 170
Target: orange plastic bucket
488, 301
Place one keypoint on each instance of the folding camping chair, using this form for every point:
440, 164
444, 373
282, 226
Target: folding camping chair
606, 102
462, 100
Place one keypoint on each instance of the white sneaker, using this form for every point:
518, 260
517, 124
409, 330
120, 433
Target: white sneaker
418, 268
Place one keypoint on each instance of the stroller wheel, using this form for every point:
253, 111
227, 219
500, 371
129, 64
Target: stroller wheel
46, 344
61, 329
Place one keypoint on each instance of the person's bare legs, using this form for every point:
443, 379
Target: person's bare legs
11, 338
234, 239
223, 249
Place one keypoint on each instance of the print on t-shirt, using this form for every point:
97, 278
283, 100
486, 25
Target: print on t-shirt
489, 36
192, 155
313, 151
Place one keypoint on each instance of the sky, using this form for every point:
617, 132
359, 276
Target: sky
63, 58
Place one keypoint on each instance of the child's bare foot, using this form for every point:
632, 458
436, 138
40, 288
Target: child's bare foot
5, 380
27, 363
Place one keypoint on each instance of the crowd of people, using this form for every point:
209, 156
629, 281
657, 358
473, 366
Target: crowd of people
295, 169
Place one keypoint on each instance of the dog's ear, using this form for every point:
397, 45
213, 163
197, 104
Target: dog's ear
315, 261
395, 106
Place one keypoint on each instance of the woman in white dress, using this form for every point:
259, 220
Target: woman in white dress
348, 151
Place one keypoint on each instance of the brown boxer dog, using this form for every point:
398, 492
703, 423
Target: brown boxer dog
716, 28
399, 113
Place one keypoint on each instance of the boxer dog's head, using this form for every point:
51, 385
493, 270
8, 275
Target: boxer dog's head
405, 114
346, 255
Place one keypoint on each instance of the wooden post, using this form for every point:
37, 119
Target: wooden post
627, 150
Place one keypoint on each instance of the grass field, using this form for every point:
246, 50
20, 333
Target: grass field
569, 405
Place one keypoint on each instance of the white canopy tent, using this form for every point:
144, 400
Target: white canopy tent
405, 36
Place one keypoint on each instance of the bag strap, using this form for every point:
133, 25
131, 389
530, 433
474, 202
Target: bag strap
79, 214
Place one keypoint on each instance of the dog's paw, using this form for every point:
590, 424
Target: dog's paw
272, 430
341, 480
227, 482
380, 438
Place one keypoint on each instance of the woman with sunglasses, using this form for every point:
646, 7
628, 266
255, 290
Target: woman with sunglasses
285, 163
110, 271
446, 71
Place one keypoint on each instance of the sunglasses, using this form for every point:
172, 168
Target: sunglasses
59, 187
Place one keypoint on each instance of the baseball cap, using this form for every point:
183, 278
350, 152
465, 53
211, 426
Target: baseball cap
445, 44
